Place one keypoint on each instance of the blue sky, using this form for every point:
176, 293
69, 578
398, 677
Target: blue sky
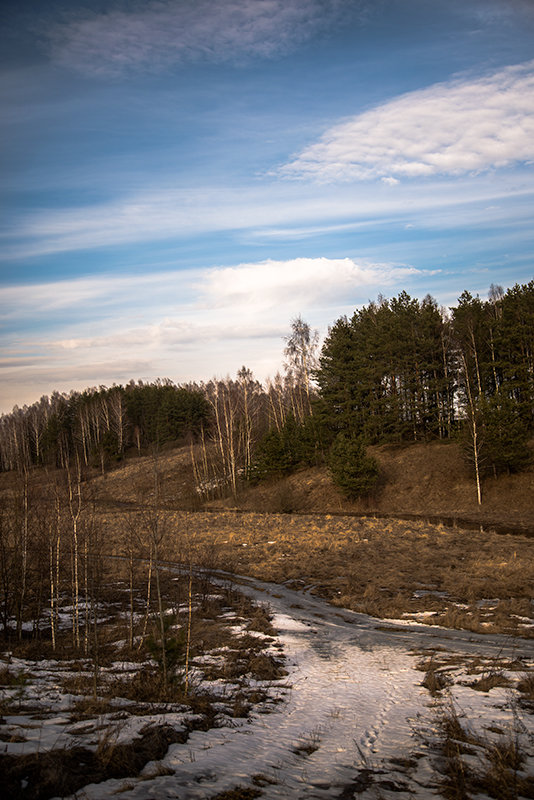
181, 178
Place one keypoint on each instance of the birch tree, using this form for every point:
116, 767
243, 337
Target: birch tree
301, 359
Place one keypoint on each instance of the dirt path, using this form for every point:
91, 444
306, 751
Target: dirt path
351, 718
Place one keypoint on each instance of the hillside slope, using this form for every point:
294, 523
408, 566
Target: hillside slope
423, 479
429, 480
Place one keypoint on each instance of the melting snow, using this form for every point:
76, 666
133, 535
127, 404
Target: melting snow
352, 705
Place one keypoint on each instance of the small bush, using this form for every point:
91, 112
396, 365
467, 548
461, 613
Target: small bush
351, 468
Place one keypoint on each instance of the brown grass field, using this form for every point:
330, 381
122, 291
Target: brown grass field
380, 564
386, 568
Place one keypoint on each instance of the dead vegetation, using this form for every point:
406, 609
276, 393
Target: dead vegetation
63, 771
472, 579
471, 764
479, 581
482, 756
230, 671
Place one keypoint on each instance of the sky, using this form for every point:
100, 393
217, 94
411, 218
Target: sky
179, 179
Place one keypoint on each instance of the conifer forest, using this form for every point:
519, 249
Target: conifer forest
398, 370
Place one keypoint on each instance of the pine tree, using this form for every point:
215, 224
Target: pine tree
355, 472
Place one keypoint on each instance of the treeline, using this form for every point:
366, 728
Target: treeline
398, 370
99, 425
405, 370
402, 369
222, 420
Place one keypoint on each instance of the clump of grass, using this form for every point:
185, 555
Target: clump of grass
526, 686
13, 679
490, 681
309, 744
501, 778
435, 680
78, 684
260, 621
452, 728
89, 708
501, 760
264, 667
238, 793
240, 706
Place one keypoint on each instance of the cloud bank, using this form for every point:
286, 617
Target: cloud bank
447, 129
183, 325
154, 36
306, 282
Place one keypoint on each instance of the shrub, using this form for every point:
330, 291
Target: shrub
355, 472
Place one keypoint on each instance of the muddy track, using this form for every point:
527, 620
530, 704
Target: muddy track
352, 707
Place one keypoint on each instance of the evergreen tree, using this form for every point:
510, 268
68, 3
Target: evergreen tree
282, 451
505, 435
355, 472
386, 373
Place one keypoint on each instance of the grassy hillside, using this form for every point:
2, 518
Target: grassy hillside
424, 479
427, 480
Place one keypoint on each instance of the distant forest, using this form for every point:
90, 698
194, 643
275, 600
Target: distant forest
399, 370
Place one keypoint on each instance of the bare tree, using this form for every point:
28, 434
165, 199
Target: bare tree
475, 430
74, 499
117, 414
301, 359
23, 549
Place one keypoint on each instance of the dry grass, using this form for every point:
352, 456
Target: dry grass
490, 681
222, 626
526, 686
385, 568
435, 679
238, 793
371, 565
62, 772
13, 678
500, 761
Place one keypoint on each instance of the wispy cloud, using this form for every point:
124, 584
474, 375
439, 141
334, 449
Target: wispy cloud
453, 128
87, 296
153, 36
276, 209
244, 289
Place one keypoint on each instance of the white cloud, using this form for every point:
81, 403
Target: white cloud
185, 325
156, 35
179, 297
182, 325
303, 282
462, 126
